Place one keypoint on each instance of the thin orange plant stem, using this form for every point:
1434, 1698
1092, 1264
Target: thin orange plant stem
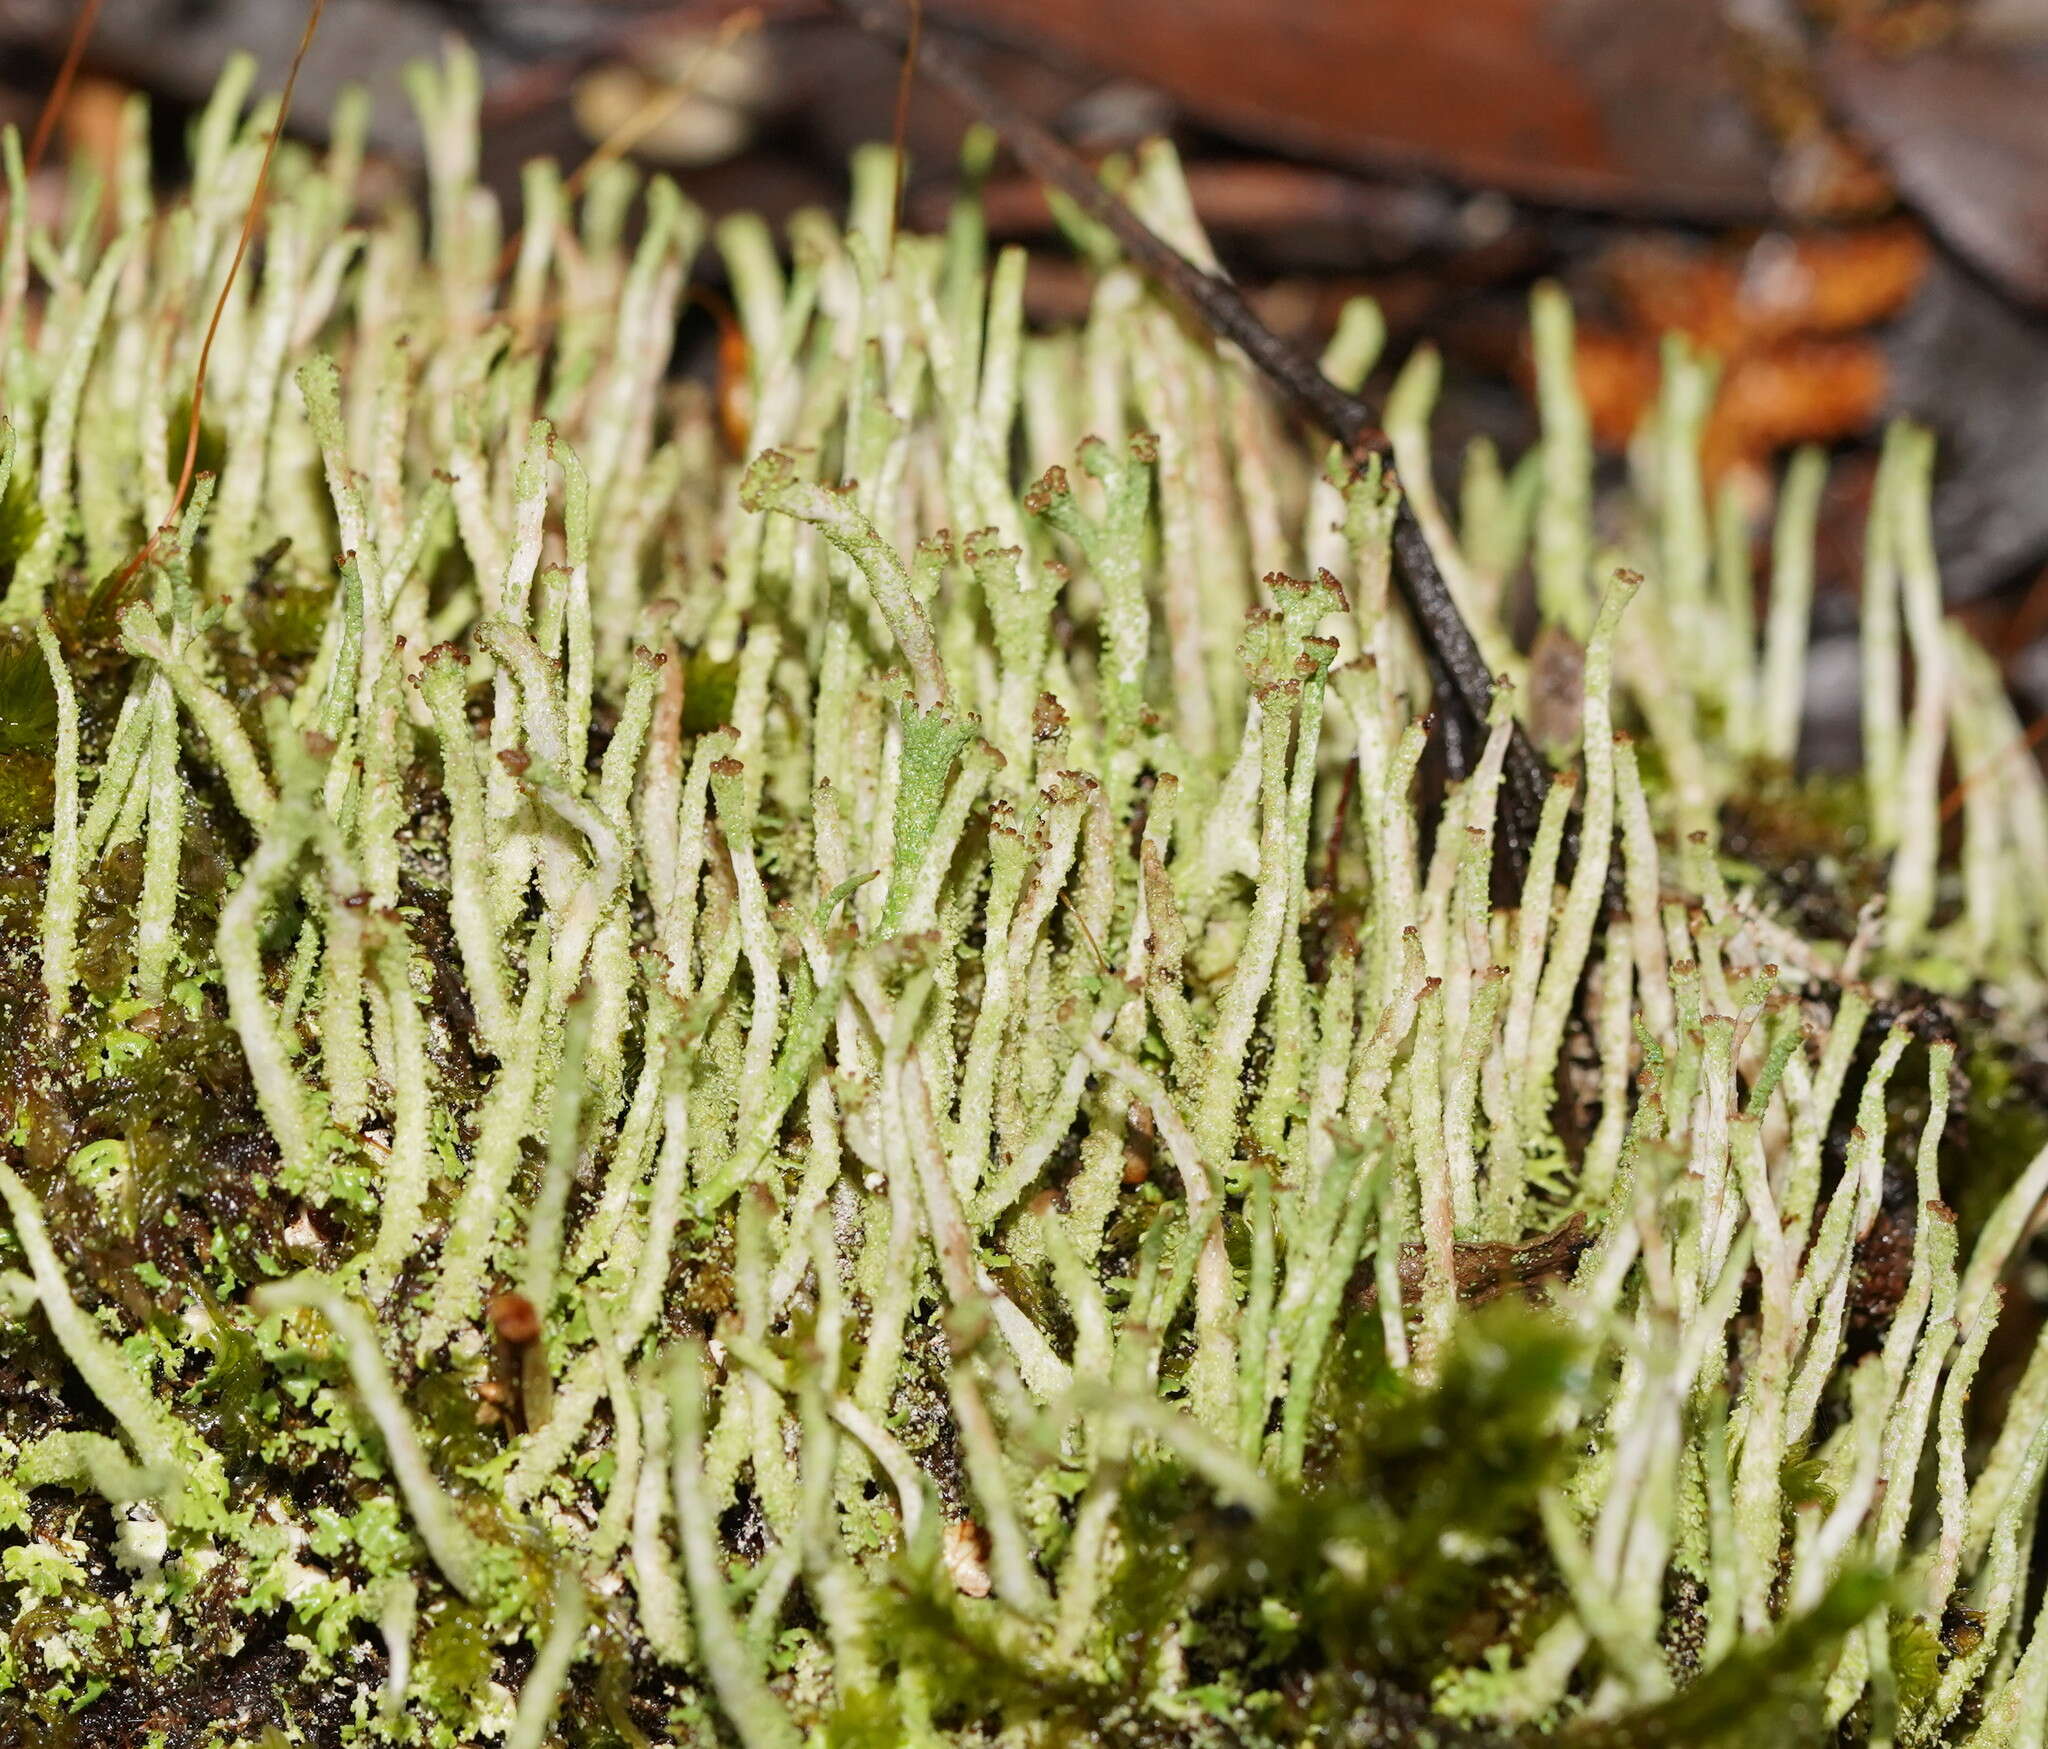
220, 303
900, 132
1952, 803
643, 121
60, 87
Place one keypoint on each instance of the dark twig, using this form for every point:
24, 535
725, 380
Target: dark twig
1222, 309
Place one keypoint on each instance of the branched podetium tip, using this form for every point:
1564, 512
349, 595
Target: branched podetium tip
678, 1098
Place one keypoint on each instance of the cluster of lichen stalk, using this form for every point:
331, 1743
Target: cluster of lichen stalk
858, 902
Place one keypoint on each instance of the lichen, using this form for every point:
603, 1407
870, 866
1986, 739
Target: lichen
897, 1088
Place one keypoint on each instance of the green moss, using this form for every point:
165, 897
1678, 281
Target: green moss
28, 699
708, 690
21, 520
2005, 1128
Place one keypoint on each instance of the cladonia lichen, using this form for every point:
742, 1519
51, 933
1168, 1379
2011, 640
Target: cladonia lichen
874, 1079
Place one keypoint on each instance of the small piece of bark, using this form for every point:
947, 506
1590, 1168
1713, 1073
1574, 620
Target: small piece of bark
1485, 1271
